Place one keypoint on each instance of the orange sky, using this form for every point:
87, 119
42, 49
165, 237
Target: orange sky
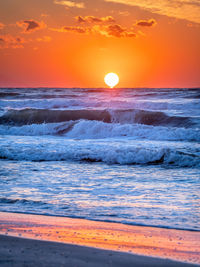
55, 43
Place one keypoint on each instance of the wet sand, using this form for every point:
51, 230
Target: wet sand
76, 242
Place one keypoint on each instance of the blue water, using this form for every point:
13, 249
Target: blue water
126, 155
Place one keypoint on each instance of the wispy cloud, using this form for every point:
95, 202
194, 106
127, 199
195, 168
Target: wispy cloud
75, 29
44, 39
70, 3
181, 9
93, 19
146, 23
71, 29
113, 30
31, 25
9, 41
44, 15
1, 26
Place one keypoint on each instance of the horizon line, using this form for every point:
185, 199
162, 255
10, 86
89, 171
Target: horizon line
53, 87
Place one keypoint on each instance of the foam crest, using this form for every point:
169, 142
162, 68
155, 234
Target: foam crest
112, 152
37, 129
97, 129
85, 129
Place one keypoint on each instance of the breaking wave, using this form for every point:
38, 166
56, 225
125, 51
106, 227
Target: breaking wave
38, 116
86, 129
112, 152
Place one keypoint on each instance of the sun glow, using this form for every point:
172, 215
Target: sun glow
111, 79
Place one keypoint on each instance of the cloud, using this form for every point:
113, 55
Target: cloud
108, 31
31, 25
92, 19
44, 15
117, 31
98, 26
75, 29
146, 23
9, 41
72, 29
181, 9
70, 4
44, 39
124, 13
1, 26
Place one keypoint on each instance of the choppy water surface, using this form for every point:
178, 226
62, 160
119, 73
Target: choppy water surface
123, 155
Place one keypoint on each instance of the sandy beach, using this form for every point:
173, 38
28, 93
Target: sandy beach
78, 242
28, 252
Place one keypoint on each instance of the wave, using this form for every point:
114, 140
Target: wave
110, 152
4, 200
51, 103
38, 129
85, 129
94, 130
149, 118
9, 94
103, 102
29, 99
30, 116
38, 116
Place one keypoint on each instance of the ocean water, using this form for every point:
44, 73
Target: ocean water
122, 155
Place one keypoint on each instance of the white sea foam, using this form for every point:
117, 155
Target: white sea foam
112, 152
98, 129
85, 129
35, 129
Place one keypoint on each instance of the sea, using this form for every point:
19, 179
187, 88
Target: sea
125, 155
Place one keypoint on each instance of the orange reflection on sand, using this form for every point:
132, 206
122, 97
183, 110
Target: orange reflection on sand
167, 243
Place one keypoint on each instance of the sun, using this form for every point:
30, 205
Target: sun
111, 79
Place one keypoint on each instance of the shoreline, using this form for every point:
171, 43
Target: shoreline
104, 221
137, 241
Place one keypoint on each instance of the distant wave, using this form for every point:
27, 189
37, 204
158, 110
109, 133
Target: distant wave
45, 103
38, 97
113, 152
103, 102
9, 94
38, 116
